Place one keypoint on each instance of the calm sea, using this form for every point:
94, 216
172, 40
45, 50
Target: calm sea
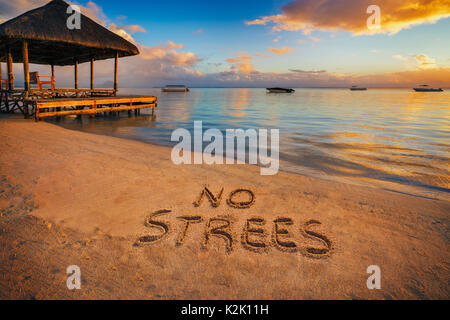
395, 139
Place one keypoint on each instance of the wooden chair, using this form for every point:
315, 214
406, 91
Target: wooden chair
35, 78
3, 84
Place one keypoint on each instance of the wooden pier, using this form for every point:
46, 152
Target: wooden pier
33, 38
62, 102
90, 106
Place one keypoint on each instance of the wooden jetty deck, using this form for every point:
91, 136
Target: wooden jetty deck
44, 108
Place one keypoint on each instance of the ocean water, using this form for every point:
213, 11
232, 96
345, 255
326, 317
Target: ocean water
395, 139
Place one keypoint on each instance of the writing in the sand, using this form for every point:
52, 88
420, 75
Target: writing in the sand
256, 233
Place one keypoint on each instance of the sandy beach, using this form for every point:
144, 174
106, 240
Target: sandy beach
123, 213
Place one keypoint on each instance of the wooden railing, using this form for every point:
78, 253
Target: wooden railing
35, 94
94, 105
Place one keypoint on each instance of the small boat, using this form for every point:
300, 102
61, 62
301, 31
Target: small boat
426, 88
175, 88
280, 90
356, 88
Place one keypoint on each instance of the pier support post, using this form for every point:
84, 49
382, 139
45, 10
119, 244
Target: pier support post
76, 74
53, 76
92, 73
116, 69
10, 71
26, 67
26, 75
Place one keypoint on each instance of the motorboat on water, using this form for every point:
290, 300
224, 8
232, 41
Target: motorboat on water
356, 88
280, 90
426, 88
175, 88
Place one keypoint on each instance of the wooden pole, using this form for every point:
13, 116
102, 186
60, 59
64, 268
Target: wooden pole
10, 71
53, 76
116, 69
76, 74
26, 67
1, 83
92, 73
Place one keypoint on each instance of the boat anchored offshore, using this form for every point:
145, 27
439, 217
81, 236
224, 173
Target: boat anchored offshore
175, 88
356, 88
280, 90
426, 88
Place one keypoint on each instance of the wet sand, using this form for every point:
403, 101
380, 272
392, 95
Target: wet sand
73, 198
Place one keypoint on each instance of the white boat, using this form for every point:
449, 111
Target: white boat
175, 88
426, 88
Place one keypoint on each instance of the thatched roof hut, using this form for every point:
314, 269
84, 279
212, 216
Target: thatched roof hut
51, 42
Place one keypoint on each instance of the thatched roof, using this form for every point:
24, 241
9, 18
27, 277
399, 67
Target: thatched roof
51, 42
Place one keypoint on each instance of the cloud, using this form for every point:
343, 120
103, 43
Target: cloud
418, 61
121, 32
10, 9
167, 54
199, 31
171, 62
312, 72
134, 28
93, 11
243, 62
438, 77
350, 15
399, 57
156, 65
425, 62
265, 56
283, 50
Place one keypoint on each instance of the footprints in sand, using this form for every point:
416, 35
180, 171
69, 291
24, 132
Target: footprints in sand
13, 200
257, 234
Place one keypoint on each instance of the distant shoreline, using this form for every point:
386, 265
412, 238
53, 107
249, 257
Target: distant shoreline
193, 87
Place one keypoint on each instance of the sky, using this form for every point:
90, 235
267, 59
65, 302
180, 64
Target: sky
249, 43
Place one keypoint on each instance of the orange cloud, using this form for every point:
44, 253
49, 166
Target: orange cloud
283, 50
168, 54
134, 28
350, 15
121, 32
243, 62
438, 77
425, 62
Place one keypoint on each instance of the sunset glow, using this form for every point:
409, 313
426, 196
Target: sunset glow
256, 44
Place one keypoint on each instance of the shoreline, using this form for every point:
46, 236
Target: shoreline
427, 192
90, 196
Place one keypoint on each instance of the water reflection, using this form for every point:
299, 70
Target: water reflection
393, 138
